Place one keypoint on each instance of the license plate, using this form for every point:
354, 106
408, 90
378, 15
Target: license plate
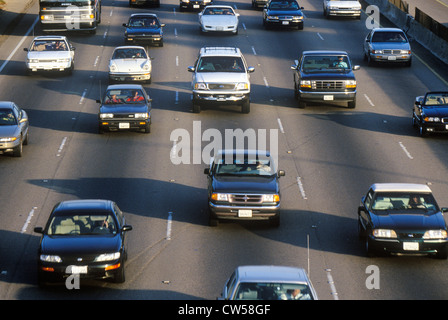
328, 97
412, 246
124, 125
285, 22
195, 6
78, 269
245, 213
391, 58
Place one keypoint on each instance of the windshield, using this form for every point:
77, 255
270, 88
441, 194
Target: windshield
273, 291
221, 64
124, 96
284, 5
389, 36
245, 166
49, 45
82, 224
329, 63
144, 22
404, 202
219, 11
436, 99
7, 117
129, 53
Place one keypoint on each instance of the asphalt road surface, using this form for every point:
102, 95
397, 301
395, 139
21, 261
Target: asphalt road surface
331, 156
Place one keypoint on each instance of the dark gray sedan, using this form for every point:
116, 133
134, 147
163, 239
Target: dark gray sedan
13, 128
388, 45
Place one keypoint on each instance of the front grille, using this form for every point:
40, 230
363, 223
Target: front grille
246, 198
410, 236
387, 51
221, 86
124, 116
328, 85
47, 60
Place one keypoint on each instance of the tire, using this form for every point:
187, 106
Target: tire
443, 254
120, 276
352, 104
301, 104
275, 222
422, 131
245, 106
18, 151
147, 128
196, 108
27, 139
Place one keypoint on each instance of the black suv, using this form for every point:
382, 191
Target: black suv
324, 76
243, 185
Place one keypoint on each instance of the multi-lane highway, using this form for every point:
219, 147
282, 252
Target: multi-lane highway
331, 156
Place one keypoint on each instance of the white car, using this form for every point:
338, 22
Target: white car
47, 53
130, 63
218, 18
347, 8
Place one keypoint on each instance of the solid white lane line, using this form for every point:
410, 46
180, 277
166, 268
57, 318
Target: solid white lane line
61, 147
28, 220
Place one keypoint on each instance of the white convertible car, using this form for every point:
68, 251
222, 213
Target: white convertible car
130, 63
47, 53
218, 18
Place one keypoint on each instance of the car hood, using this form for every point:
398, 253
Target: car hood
432, 111
390, 45
219, 20
411, 221
279, 12
144, 31
126, 65
222, 77
245, 184
345, 4
124, 108
92, 244
49, 54
9, 131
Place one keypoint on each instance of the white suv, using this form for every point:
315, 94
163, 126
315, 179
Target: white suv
220, 75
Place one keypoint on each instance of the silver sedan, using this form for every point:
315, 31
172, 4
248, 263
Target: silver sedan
218, 18
13, 128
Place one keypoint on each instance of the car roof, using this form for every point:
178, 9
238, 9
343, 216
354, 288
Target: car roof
218, 6
222, 152
143, 15
124, 86
50, 38
85, 204
129, 47
386, 29
269, 273
220, 51
400, 187
6, 104
324, 52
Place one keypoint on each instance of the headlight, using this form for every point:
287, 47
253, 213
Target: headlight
242, 86
200, 86
106, 115
431, 119
33, 60
8, 139
47, 17
350, 84
50, 258
384, 233
220, 196
377, 51
107, 257
271, 198
297, 18
405, 51
305, 84
435, 234
272, 17
186, 1
113, 67
141, 115
64, 60
147, 66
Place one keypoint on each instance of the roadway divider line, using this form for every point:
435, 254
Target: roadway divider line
301, 188
19, 44
168, 225
405, 150
28, 220
334, 293
280, 125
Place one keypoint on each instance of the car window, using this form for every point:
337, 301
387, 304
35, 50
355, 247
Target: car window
124, 96
245, 166
284, 5
144, 22
404, 202
129, 53
82, 224
218, 11
7, 117
273, 291
49, 45
221, 64
317, 63
436, 99
392, 36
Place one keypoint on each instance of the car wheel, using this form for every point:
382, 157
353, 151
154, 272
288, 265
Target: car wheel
196, 108
147, 128
26, 140
369, 251
245, 107
17, 152
120, 276
275, 222
300, 26
301, 104
370, 62
442, 254
352, 104
422, 131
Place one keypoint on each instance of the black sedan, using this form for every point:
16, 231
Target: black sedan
402, 218
85, 238
286, 13
144, 28
125, 107
430, 114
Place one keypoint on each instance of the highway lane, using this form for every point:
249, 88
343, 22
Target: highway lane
336, 153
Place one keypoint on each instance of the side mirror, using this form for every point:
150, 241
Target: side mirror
207, 171
125, 25
281, 173
39, 230
190, 69
126, 228
444, 209
98, 101
250, 69
162, 25
25, 49
356, 68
